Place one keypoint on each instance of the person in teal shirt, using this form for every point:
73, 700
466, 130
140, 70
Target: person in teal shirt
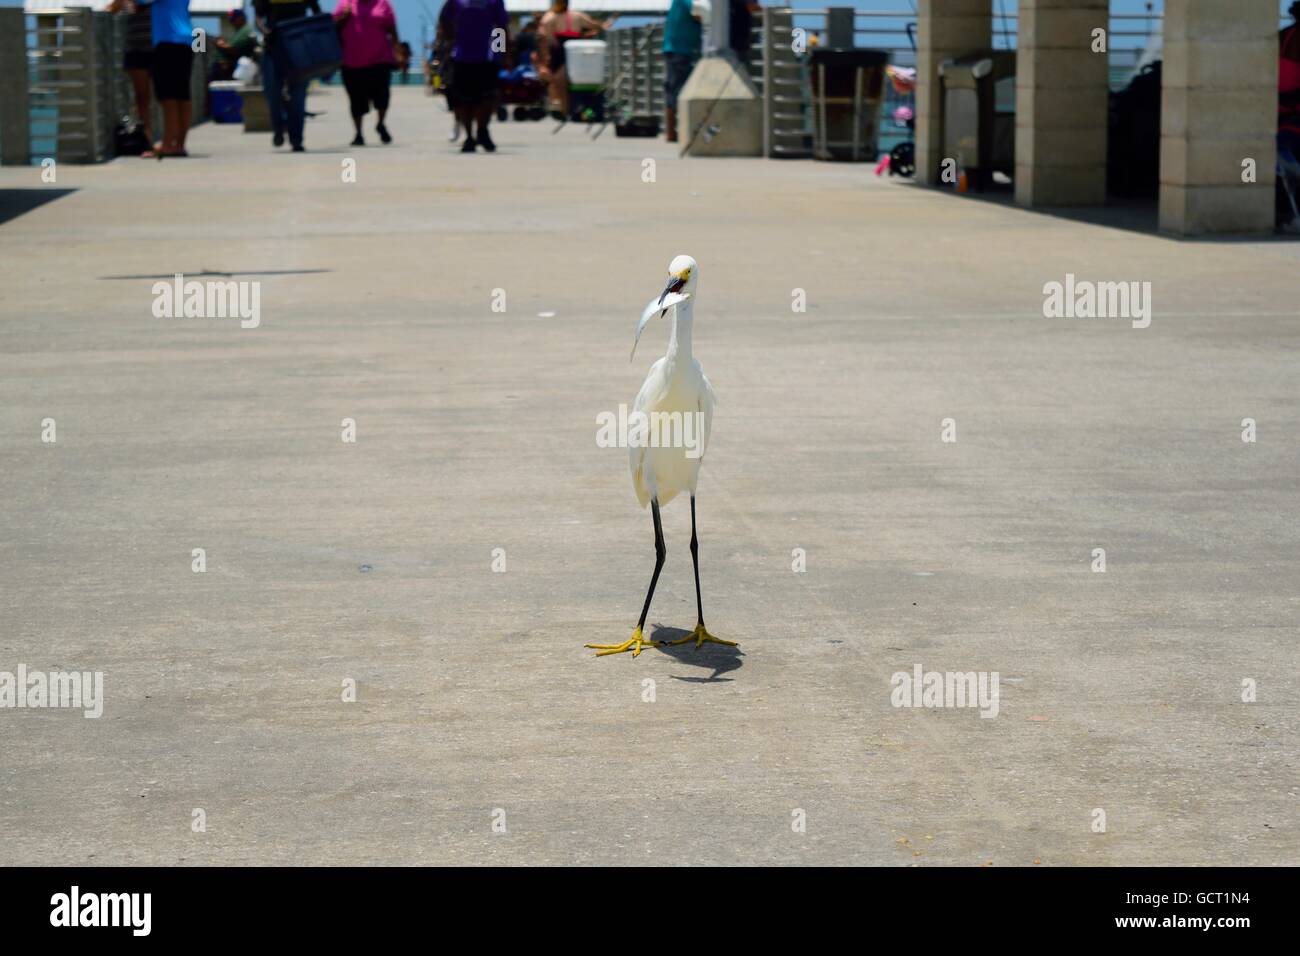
682, 30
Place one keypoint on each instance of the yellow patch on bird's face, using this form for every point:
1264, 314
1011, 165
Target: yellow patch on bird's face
683, 274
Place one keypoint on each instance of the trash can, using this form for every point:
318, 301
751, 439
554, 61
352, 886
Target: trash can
979, 114
847, 88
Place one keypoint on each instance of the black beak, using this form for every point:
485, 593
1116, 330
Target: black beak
674, 285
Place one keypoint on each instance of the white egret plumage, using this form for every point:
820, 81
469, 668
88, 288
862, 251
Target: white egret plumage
675, 386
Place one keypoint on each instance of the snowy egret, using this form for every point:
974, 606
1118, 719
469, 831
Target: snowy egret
677, 391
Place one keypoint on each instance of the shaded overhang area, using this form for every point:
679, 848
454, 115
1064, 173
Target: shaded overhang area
1218, 105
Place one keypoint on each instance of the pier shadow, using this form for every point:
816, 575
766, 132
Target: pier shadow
210, 274
1127, 214
15, 202
718, 659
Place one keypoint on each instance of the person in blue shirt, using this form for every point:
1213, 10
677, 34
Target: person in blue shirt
173, 58
682, 31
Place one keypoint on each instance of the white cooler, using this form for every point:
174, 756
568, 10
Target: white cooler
585, 60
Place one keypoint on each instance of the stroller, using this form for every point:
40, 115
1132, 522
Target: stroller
1288, 181
524, 90
1288, 134
901, 160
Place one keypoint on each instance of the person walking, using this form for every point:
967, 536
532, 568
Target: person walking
137, 60
286, 99
476, 30
368, 30
682, 33
173, 60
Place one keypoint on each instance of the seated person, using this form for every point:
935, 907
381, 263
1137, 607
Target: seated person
243, 42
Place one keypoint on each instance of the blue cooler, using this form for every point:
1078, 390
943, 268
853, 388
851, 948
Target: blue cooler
225, 101
309, 46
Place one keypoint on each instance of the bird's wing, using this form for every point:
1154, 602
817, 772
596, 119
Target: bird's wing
652, 391
636, 458
706, 403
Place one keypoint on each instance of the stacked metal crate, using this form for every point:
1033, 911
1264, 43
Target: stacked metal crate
785, 88
634, 67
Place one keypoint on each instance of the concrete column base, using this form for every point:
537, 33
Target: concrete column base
1061, 104
719, 113
257, 115
1218, 111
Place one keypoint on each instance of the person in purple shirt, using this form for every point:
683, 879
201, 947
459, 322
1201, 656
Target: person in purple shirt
476, 31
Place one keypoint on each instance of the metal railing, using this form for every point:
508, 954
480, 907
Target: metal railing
1127, 36
75, 85
634, 68
63, 90
786, 96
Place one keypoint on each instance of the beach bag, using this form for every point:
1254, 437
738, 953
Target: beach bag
129, 138
308, 46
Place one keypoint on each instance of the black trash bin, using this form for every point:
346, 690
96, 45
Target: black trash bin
979, 114
847, 89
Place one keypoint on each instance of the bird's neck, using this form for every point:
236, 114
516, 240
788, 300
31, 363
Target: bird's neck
679, 346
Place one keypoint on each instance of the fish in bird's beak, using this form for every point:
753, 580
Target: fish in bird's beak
675, 284
671, 295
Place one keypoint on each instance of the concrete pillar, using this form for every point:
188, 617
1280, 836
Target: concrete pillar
718, 35
944, 29
1061, 103
1218, 108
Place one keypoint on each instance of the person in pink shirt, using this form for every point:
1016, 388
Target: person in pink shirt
368, 31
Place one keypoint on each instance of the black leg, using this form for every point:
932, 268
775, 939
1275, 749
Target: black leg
660, 553
695, 559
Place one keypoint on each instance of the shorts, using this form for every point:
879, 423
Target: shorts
473, 83
677, 70
367, 85
138, 60
171, 71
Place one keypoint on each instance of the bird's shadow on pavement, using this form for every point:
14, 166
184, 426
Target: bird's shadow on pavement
717, 658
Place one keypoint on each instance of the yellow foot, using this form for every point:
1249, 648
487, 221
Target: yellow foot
634, 644
701, 636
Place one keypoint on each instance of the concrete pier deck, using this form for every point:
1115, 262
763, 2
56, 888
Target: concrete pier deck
476, 703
